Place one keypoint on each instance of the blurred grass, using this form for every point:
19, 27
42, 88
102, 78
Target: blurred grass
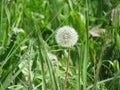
24, 60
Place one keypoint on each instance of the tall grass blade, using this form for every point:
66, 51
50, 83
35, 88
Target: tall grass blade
86, 49
45, 56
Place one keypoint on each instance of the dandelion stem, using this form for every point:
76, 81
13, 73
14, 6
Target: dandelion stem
67, 67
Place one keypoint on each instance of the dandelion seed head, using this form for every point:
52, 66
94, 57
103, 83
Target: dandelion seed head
66, 36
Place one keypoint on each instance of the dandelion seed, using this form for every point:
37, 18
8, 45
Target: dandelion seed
66, 36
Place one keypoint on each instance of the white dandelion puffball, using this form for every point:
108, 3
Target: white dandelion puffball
66, 36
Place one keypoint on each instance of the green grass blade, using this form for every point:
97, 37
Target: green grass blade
86, 50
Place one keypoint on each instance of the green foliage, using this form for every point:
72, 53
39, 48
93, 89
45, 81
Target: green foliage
27, 39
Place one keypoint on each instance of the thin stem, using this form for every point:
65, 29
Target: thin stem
67, 67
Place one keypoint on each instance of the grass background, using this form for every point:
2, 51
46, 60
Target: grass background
27, 35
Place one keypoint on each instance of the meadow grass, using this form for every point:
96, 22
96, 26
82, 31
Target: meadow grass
27, 39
